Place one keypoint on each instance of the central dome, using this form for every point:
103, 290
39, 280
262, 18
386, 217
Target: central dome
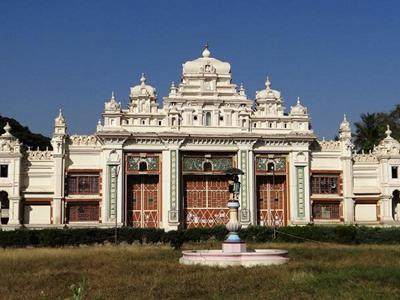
206, 64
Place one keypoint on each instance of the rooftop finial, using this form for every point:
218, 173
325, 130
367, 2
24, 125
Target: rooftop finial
344, 117
388, 132
7, 130
112, 95
206, 52
298, 100
268, 83
143, 79
60, 117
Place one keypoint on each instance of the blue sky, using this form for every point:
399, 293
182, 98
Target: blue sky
338, 56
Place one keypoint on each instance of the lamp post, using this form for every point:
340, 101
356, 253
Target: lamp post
233, 225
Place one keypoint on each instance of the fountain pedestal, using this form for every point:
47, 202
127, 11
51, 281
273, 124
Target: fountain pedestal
234, 251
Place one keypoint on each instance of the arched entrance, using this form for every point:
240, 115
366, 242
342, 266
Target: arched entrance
5, 205
395, 202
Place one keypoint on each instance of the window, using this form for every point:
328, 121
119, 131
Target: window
159, 123
3, 171
81, 212
195, 118
395, 172
87, 184
221, 118
208, 119
323, 210
325, 184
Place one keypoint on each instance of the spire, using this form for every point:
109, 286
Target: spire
388, 132
242, 90
60, 125
206, 52
268, 84
60, 118
143, 79
345, 129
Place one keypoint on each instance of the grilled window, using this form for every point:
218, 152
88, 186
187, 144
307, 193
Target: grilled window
324, 184
86, 184
326, 210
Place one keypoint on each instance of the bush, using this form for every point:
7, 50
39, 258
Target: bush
61, 237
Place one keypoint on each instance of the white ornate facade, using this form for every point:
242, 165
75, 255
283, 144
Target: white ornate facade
147, 166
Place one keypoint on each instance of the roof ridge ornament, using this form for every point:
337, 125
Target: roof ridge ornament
388, 132
298, 100
206, 51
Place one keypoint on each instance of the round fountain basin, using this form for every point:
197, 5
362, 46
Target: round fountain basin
257, 257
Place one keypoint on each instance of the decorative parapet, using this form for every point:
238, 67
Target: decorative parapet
37, 155
365, 157
329, 145
83, 140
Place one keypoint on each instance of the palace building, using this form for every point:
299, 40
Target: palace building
151, 166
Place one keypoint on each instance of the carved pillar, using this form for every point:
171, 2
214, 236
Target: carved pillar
299, 188
171, 184
114, 201
247, 198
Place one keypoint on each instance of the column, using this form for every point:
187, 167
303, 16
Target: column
171, 207
348, 202
114, 200
299, 188
245, 206
59, 182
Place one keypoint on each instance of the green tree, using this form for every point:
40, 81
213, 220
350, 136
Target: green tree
25, 136
369, 131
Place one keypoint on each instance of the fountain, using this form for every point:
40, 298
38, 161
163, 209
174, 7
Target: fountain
234, 251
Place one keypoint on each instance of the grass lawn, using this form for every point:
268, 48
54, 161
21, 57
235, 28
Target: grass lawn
314, 271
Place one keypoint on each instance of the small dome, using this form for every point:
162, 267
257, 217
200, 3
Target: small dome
143, 89
389, 143
112, 105
206, 64
268, 93
298, 109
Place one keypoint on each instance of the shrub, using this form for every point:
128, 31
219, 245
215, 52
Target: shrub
344, 234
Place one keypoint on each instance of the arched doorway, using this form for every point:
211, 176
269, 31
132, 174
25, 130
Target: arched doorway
395, 202
5, 205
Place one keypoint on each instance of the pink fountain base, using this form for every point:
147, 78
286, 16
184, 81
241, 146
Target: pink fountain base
221, 258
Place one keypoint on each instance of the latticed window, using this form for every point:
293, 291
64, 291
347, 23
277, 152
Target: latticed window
323, 210
87, 184
325, 184
78, 212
